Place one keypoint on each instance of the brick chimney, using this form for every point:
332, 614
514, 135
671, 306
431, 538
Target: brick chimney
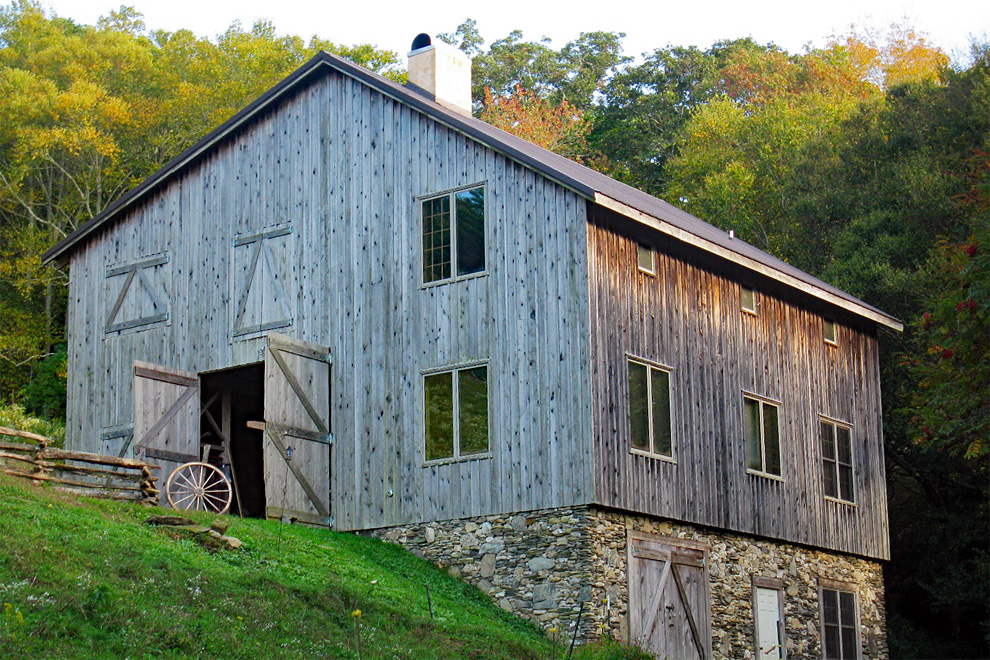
441, 73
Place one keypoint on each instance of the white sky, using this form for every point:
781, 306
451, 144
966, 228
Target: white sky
392, 25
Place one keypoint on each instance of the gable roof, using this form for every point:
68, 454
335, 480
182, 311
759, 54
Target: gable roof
590, 184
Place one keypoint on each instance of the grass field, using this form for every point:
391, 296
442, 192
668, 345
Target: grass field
89, 579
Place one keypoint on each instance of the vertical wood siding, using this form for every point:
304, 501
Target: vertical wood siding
689, 319
341, 165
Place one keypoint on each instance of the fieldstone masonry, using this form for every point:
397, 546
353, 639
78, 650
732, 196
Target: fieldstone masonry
535, 564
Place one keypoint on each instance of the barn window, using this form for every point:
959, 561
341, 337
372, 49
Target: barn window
840, 636
646, 259
837, 460
454, 234
456, 412
830, 332
649, 409
138, 293
747, 300
762, 437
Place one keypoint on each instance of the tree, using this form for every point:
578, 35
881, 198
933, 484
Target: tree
560, 128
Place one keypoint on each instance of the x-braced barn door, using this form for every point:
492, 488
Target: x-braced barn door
166, 416
297, 430
668, 597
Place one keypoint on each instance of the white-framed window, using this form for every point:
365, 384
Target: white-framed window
768, 614
830, 332
455, 412
837, 460
762, 430
747, 300
839, 620
649, 408
646, 259
453, 234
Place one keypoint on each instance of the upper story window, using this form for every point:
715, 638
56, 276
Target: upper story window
840, 630
454, 234
830, 332
646, 259
837, 460
649, 409
747, 300
762, 436
456, 405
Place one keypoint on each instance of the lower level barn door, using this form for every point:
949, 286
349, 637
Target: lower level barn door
166, 417
297, 430
668, 598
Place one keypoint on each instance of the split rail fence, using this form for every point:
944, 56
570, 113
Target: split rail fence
78, 472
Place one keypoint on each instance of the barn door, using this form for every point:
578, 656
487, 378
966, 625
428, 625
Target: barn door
166, 416
297, 430
668, 598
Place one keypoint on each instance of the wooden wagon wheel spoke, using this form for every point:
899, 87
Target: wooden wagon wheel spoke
198, 487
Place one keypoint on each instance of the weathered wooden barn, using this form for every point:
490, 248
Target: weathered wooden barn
549, 381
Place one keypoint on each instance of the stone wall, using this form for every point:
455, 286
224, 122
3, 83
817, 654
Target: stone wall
535, 564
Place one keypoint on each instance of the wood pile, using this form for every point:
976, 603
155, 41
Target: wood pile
78, 472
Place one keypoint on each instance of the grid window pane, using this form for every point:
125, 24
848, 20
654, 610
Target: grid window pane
660, 391
470, 213
771, 439
754, 452
472, 387
837, 468
841, 639
828, 460
639, 407
436, 239
439, 416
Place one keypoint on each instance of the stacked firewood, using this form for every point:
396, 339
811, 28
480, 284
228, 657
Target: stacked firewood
77, 472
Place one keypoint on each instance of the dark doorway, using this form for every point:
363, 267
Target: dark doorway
230, 399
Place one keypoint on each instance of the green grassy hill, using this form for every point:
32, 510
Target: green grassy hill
82, 578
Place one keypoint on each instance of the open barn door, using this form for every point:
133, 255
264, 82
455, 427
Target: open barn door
297, 430
668, 597
166, 416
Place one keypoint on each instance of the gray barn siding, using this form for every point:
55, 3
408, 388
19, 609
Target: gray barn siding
689, 319
341, 164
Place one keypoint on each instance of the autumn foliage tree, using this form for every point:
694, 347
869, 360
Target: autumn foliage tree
559, 127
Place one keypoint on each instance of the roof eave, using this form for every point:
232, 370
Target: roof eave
747, 262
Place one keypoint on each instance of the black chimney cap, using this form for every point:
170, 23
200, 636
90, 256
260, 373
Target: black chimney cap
422, 40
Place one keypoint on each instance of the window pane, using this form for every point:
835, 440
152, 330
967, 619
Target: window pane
661, 411
436, 239
748, 299
754, 455
830, 606
771, 438
830, 331
470, 231
472, 386
644, 257
849, 643
847, 608
843, 444
828, 460
832, 649
846, 483
639, 416
439, 416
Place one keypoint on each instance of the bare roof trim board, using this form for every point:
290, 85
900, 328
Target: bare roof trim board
594, 186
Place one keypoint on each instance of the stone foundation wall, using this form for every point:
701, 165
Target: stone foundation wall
733, 560
535, 565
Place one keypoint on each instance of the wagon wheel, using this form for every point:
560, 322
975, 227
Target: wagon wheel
198, 487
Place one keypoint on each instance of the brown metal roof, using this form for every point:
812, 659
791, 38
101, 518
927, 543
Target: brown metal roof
592, 185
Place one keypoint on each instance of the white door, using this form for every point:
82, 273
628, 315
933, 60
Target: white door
768, 622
